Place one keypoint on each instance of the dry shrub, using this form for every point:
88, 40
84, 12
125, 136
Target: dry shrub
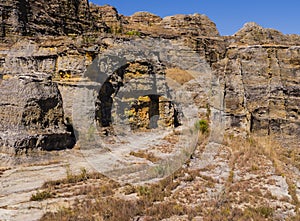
41, 195
179, 75
73, 178
146, 155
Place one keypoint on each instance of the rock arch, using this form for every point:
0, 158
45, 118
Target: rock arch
160, 54
136, 91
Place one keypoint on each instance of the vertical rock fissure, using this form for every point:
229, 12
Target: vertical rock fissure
248, 114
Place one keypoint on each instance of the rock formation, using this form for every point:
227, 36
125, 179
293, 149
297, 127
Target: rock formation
259, 77
131, 92
237, 63
31, 18
32, 115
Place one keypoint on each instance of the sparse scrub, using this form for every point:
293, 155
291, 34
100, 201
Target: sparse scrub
133, 33
264, 211
73, 178
157, 201
202, 126
41, 195
149, 203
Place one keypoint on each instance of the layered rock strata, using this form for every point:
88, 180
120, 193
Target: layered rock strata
260, 83
31, 18
254, 73
32, 115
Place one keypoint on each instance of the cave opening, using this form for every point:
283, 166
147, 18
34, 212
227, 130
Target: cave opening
127, 90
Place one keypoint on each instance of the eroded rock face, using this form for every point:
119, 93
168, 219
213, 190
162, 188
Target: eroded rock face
192, 25
108, 15
47, 18
255, 82
170, 27
144, 18
32, 115
136, 91
252, 34
260, 84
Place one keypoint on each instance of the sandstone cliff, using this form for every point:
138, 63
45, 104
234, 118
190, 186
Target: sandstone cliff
30, 18
130, 91
260, 83
238, 62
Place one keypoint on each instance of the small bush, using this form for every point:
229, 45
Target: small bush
143, 191
39, 196
73, 178
264, 211
202, 126
133, 33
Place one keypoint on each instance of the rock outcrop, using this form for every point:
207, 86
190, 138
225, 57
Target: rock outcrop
32, 115
135, 90
31, 18
191, 25
255, 80
109, 16
259, 79
170, 27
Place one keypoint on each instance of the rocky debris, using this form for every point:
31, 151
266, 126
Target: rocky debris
32, 115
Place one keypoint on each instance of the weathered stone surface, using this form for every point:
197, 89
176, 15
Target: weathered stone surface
108, 15
260, 84
60, 57
32, 115
170, 27
253, 34
144, 18
252, 55
192, 25
47, 18
137, 90
254, 88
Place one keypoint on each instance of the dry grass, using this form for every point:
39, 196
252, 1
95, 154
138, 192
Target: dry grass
149, 202
146, 155
251, 155
73, 178
41, 195
179, 75
160, 200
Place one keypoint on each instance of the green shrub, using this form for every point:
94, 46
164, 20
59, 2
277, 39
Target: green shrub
202, 125
133, 33
39, 196
143, 191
